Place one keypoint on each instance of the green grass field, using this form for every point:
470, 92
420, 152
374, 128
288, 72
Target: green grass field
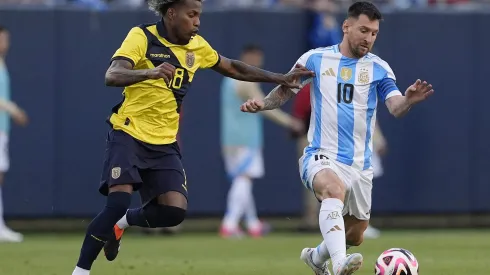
439, 253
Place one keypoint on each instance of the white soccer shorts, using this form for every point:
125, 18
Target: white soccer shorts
358, 183
4, 153
243, 161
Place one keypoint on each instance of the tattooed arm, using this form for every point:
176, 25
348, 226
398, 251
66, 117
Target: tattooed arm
277, 97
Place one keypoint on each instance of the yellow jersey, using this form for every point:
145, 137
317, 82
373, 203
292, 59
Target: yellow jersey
150, 109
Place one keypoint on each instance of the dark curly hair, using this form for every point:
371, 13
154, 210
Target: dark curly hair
366, 8
160, 7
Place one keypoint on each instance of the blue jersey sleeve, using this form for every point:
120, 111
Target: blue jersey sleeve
387, 88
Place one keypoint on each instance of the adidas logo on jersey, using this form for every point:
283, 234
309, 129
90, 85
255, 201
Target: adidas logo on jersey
329, 72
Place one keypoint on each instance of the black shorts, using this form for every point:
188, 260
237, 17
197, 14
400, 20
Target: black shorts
151, 169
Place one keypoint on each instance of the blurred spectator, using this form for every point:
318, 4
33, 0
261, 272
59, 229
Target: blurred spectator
7, 109
242, 148
325, 30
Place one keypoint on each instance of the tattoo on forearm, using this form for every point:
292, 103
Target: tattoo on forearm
277, 98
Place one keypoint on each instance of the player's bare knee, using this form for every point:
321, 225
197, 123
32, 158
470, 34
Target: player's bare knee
328, 185
173, 198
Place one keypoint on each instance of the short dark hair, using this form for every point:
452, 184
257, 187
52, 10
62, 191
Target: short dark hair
251, 48
160, 7
3, 28
366, 8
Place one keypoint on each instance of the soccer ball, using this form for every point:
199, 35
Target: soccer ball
396, 261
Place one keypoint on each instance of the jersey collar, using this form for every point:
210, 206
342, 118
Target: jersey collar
161, 30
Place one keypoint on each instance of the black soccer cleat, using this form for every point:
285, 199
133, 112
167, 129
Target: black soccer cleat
112, 246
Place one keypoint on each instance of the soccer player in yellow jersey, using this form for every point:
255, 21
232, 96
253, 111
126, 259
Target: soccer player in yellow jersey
156, 64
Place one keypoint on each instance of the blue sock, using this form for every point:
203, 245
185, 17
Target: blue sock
101, 228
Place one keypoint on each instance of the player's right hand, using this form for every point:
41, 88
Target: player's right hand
292, 79
252, 106
164, 70
20, 117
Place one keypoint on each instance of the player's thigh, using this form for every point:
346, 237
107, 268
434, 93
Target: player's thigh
243, 161
167, 185
322, 175
119, 173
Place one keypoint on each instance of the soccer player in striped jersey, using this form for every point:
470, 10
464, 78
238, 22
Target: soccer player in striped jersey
336, 164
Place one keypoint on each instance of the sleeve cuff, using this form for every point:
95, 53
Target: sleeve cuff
392, 94
123, 58
217, 62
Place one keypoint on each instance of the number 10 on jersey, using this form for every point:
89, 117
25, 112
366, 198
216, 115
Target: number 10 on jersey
345, 93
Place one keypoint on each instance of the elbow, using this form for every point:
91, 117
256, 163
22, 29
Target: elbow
110, 79
395, 113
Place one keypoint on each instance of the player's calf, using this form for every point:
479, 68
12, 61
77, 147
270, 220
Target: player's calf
331, 191
100, 230
355, 230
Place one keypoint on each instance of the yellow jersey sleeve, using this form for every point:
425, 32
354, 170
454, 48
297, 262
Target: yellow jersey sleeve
209, 57
133, 48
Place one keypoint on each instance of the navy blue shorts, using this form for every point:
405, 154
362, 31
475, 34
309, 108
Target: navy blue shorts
151, 169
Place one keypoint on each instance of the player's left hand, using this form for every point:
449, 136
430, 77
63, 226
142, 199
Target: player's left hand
292, 79
252, 106
419, 91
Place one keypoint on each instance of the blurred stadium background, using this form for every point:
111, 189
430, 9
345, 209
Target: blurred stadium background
435, 172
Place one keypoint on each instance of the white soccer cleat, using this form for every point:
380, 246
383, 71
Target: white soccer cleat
306, 256
351, 264
8, 235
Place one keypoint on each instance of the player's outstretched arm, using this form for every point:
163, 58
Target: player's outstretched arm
247, 90
241, 71
275, 99
121, 74
417, 92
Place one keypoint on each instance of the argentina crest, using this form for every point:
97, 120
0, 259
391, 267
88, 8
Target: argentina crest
116, 172
363, 77
346, 73
190, 59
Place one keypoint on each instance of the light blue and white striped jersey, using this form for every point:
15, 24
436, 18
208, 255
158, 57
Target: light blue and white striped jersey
344, 95
238, 128
5, 95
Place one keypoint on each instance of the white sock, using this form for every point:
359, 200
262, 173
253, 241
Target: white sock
80, 271
320, 254
2, 221
123, 222
333, 231
250, 209
236, 202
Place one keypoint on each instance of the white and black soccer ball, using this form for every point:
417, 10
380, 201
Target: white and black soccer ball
396, 261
